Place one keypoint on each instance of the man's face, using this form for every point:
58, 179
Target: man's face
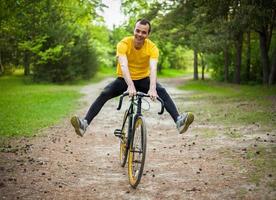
141, 32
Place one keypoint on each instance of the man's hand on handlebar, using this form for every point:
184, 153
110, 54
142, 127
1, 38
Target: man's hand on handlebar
153, 94
131, 91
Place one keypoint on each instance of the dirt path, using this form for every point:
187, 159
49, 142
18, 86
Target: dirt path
57, 164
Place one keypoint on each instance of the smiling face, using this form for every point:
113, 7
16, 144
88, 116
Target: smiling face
141, 32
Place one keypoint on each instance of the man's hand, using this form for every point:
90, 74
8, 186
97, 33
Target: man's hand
153, 94
131, 90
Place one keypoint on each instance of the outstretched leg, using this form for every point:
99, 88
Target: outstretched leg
182, 121
115, 88
168, 102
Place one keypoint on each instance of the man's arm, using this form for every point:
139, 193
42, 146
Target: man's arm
153, 79
124, 66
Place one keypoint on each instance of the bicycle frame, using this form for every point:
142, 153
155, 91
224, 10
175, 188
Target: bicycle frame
138, 113
134, 148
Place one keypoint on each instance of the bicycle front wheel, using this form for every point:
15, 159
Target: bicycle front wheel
137, 152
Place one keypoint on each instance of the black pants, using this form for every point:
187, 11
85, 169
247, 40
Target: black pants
118, 86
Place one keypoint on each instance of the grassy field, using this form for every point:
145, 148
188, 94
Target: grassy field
241, 113
229, 103
26, 107
171, 73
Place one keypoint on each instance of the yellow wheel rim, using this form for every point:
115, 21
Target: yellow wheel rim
132, 177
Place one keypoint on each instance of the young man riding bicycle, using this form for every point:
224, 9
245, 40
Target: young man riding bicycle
137, 71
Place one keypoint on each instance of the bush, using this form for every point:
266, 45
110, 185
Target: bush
75, 59
216, 63
8, 69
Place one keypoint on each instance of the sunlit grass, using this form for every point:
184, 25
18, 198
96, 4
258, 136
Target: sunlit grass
232, 104
171, 73
27, 107
106, 71
229, 90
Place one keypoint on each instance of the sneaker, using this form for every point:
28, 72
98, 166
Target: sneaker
80, 125
184, 121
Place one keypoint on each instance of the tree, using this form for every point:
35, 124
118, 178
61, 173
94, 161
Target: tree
265, 16
272, 77
45, 35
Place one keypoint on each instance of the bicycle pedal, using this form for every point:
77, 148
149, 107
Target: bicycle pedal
118, 133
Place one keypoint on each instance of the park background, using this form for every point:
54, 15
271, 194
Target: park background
50, 49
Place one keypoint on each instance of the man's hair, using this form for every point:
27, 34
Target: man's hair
144, 22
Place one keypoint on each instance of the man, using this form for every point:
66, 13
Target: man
136, 69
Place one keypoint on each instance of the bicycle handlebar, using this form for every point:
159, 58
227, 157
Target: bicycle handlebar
141, 94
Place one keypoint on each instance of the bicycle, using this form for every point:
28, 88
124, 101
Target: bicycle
133, 137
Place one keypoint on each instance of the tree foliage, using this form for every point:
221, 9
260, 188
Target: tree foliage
57, 40
236, 38
50, 38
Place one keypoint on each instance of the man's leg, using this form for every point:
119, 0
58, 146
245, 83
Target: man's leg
115, 88
182, 121
168, 102
112, 90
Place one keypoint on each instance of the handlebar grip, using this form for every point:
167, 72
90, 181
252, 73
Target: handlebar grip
121, 100
162, 106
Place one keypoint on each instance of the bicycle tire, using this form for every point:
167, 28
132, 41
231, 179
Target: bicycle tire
123, 141
137, 152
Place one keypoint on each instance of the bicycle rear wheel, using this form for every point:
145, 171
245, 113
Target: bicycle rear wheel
137, 152
123, 141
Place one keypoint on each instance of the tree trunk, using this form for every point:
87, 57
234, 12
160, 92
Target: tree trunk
159, 69
272, 76
237, 78
195, 65
264, 56
202, 67
248, 56
226, 64
1, 66
159, 65
270, 30
26, 64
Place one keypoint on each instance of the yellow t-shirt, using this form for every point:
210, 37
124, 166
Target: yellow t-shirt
138, 60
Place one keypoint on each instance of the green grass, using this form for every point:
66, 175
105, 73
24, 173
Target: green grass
106, 71
263, 160
27, 107
233, 134
231, 90
232, 104
171, 73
